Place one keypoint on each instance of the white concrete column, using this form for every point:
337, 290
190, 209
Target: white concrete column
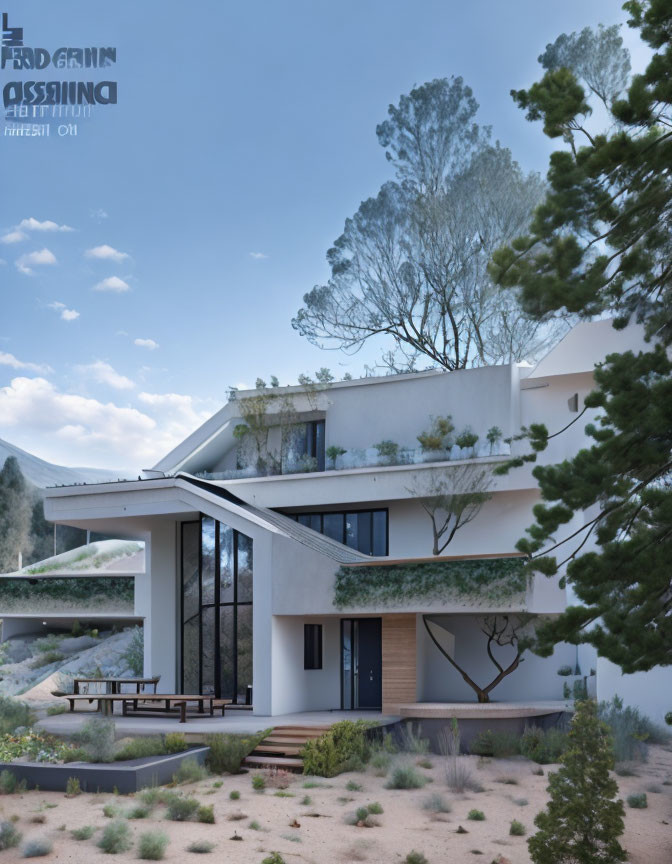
262, 622
156, 601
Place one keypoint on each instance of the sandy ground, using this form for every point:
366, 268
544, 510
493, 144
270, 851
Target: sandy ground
404, 824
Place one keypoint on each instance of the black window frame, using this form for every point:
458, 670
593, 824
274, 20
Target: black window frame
216, 605
344, 513
316, 445
312, 646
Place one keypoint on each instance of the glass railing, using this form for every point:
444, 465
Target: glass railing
369, 457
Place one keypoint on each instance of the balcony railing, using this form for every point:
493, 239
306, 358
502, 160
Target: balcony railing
370, 457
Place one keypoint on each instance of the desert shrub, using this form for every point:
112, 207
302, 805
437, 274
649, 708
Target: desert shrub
228, 751
206, 813
411, 742
86, 832
97, 738
517, 829
37, 848
414, 857
234, 795
47, 658
277, 778
156, 796
638, 801
182, 809
110, 811
9, 785
201, 847
140, 811
406, 777
380, 762
343, 747
283, 793
351, 786
152, 845
458, 776
254, 825
375, 808
631, 731
174, 742
135, 653
543, 746
190, 771
274, 858
436, 803
72, 787
582, 822
258, 783
13, 713
496, 744
53, 710
139, 748
521, 802
476, 815
116, 838
75, 754
306, 801
9, 835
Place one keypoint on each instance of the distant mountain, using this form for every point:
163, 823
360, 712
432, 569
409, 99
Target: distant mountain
43, 474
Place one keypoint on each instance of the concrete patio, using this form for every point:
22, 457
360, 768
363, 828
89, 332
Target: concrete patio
240, 722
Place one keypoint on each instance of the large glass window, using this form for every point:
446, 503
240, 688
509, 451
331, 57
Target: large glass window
364, 530
216, 610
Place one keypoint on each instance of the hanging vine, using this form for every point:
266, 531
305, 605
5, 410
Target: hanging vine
481, 581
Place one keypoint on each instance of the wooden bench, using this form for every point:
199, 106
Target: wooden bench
232, 706
130, 701
113, 685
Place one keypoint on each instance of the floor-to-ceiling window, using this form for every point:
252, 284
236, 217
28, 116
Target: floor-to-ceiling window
216, 610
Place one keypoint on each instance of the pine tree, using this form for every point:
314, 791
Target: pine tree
601, 243
582, 822
15, 516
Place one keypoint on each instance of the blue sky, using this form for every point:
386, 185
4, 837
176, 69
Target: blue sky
243, 137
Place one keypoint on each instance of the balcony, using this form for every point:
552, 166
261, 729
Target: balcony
371, 457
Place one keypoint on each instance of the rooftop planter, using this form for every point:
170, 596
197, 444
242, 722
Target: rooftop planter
479, 582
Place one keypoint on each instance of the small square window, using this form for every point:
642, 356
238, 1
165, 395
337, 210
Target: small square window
312, 646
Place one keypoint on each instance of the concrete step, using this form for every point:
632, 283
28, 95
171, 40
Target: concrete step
288, 763
276, 750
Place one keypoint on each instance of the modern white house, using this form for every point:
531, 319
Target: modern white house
289, 560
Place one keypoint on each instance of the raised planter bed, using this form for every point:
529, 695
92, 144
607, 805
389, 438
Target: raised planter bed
125, 777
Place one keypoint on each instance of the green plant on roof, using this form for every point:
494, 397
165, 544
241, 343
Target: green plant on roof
438, 436
333, 452
493, 437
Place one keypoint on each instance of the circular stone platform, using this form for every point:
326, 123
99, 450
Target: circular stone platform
481, 711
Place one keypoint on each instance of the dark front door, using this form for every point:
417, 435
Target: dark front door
361, 662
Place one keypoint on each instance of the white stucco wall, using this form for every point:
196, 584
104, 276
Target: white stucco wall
651, 692
296, 688
536, 677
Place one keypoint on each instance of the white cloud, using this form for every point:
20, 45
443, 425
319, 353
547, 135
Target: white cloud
35, 225
14, 236
76, 430
66, 314
102, 373
106, 253
25, 263
113, 284
258, 255
10, 360
146, 343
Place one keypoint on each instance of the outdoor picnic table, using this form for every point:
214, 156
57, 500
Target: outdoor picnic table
162, 702
113, 685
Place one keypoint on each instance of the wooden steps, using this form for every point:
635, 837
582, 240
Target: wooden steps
282, 746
